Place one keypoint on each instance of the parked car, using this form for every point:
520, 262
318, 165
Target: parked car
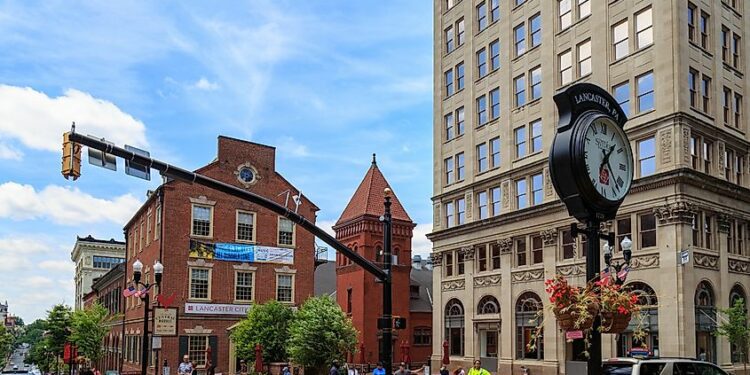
659, 366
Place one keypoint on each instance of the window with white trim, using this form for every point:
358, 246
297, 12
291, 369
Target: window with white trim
286, 232
245, 226
243, 289
285, 288
202, 221
200, 283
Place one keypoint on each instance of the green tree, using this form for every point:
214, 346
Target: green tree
58, 328
6, 345
268, 325
320, 334
88, 330
32, 333
735, 328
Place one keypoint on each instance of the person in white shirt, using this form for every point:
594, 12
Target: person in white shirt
186, 367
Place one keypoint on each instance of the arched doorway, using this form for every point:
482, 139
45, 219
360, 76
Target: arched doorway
649, 320
527, 306
454, 327
487, 324
705, 322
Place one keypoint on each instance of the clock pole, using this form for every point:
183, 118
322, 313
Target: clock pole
593, 267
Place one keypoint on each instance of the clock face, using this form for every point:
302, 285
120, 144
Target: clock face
608, 158
246, 174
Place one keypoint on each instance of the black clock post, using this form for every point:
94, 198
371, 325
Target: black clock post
589, 141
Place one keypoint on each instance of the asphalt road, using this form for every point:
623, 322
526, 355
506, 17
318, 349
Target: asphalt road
17, 359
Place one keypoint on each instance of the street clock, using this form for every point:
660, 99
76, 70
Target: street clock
591, 162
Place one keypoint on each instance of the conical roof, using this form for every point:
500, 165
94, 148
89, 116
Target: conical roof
368, 199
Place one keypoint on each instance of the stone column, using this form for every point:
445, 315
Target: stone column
471, 351
724, 352
438, 310
507, 311
554, 341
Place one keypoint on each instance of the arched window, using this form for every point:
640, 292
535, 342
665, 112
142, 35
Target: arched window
736, 294
395, 253
650, 321
454, 327
488, 305
527, 306
705, 322
379, 254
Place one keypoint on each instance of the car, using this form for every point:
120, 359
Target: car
15, 367
659, 366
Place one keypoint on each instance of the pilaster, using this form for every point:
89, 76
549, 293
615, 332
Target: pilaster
554, 340
724, 354
470, 305
507, 330
438, 310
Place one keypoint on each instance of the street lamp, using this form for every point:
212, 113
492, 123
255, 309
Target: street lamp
158, 272
626, 244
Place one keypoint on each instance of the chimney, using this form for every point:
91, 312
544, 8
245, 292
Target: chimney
416, 261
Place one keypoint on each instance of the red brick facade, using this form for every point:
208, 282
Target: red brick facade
107, 290
170, 239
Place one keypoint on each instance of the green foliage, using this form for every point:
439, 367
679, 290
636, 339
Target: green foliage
32, 333
57, 327
320, 334
88, 330
268, 325
6, 345
735, 328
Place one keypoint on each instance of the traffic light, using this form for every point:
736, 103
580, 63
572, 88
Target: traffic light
71, 159
399, 322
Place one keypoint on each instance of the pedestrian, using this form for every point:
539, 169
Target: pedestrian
444, 370
477, 369
344, 370
353, 370
379, 370
702, 355
334, 368
285, 371
243, 367
186, 367
96, 372
459, 371
402, 370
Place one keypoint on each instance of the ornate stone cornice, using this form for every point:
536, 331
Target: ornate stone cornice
506, 245
527, 276
485, 281
706, 261
437, 259
453, 285
739, 266
675, 212
467, 252
549, 237
645, 261
572, 270
723, 221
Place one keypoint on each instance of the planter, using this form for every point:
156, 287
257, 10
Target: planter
567, 320
615, 322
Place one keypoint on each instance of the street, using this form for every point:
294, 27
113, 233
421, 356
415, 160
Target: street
16, 360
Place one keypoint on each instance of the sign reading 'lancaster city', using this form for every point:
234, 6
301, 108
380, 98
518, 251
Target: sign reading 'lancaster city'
216, 309
237, 252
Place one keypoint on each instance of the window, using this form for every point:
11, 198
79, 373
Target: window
645, 87
644, 34
495, 253
705, 92
584, 58
495, 192
200, 283
725, 36
243, 289
566, 14
449, 127
422, 336
460, 76
728, 164
482, 204
692, 12
707, 231
536, 83
520, 136
449, 82
495, 55
349, 300
520, 92
519, 2
527, 307
482, 16
495, 103
620, 34
450, 3
520, 247
693, 87
696, 229
737, 110
566, 67
482, 110
488, 305
584, 8
537, 189
482, 162
623, 229
519, 33
694, 152
726, 103
647, 157
106, 262
461, 31
495, 10
704, 27
245, 226
286, 232
202, 216
157, 225
736, 46
284, 288
482, 62
460, 121
197, 349
461, 211
450, 215
460, 259
535, 24
707, 155
622, 95
568, 245
647, 227
454, 327
449, 170
449, 43
148, 228
460, 166
495, 152
521, 194
537, 250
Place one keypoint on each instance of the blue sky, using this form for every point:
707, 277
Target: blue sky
326, 82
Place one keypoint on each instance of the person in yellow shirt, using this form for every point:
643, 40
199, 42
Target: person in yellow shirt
477, 369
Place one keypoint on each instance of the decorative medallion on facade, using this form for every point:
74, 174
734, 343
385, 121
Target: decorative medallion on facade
506, 245
506, 194
724, 222
666, 146
572, 270
547, 183
469, 206
549, 237
675, 212
485, 281
645, 261
467, 252
437, 259
686, 145
739, 266
453, 285
706, 261
527, 276
247, 174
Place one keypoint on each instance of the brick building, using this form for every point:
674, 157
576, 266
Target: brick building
220, 254
357, 292
107, 290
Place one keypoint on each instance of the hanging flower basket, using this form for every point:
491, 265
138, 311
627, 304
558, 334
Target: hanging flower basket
615, 322
574, 307
577, 318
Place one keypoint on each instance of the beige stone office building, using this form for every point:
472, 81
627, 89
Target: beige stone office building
93, 258
680, 71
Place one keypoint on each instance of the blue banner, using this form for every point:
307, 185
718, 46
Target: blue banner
234, 252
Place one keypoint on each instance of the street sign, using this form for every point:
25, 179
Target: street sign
102, 159
573, 335
165, 321
684, 257
156, 342
135, 169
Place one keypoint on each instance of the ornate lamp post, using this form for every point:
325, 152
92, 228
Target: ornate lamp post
626, 244
158, 272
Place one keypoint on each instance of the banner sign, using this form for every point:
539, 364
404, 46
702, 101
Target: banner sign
165, 321
215, 308
235, 252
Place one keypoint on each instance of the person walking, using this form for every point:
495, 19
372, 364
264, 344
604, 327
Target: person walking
186, 367
285, 371
477, 369
379, 370
352, 369
334, 368
402, 369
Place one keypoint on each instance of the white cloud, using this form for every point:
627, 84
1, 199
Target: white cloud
204, 84
9, 152
38, 281
62, 205
58, 266
420, 245
290, 146
38, 121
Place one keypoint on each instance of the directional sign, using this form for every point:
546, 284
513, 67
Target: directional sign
135, 169
102, 159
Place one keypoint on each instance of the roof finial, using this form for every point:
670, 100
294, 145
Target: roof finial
374, 162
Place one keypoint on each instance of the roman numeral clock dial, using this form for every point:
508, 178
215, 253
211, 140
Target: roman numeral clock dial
608, 159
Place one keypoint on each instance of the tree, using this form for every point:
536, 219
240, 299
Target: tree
57, 327
32, 333
6, 345
320, 334
735, 328
268, 325
88, 330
